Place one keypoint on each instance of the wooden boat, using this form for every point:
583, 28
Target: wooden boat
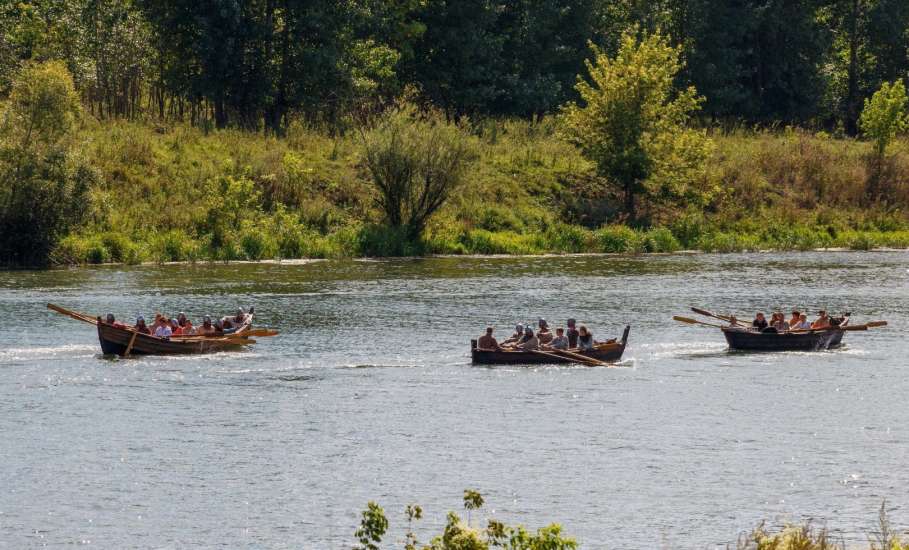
118, 339
608, 352
815, 340
123, 341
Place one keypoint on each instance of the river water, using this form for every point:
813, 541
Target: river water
368, 394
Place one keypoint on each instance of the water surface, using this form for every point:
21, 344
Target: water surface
368, 394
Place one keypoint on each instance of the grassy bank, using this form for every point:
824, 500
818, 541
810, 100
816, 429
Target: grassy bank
171, 193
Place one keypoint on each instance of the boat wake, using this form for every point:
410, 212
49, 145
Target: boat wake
72, 351
682, 349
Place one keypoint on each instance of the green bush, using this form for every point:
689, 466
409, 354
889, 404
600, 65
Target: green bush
660, 239
567, 238
617, 239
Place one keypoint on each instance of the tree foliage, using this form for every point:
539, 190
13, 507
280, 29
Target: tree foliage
634, 125
885, 115
43, 187
416, 161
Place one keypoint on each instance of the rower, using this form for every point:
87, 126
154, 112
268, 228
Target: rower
517, 336
560, 342
487, 342
240, 317
163, 329
585, 339
822, 321
802, 324
794, 320
530, 342
110, 320
544, 335
760, 322
572, 334
141, 326
207, 329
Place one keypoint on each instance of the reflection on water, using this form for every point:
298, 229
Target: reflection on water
368, 394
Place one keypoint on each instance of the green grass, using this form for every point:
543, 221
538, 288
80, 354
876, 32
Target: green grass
180, 194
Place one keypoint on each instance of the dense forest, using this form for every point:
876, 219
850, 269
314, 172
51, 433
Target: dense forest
298, 111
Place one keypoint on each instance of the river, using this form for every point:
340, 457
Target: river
369, 394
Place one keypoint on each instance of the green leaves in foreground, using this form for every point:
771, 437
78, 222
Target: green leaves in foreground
460, 535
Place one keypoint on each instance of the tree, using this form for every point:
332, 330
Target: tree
43, 189
416, 160
884, 115
635, 126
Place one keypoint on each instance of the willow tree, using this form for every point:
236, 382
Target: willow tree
417, 159
635, 126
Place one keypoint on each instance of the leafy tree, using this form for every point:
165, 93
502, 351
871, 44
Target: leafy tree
885, 115
43, 190
635, 126
416, 160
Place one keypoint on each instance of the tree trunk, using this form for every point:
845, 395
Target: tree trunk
630, 209
852, 99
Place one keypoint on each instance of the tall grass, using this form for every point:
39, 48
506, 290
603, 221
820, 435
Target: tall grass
180, 194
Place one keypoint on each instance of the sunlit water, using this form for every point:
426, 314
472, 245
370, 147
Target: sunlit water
368, 394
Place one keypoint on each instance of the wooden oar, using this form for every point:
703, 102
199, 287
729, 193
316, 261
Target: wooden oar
75, 315
715, 316
582, 358
690, 321
558, 354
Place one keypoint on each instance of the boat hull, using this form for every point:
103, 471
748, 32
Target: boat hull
609, 353
115, 341
741, 339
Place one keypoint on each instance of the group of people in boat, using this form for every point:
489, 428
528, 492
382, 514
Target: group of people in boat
798, 321
180, 325
525, 339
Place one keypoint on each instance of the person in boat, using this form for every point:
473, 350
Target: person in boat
544, 335
239, 318
794, 320
141, 327
559, 342
206, 328
802, 323
530, 342
585, 339
111, 320
163, 330
487, 342
517, 336
175, 328
572, 334
779, 322
822, 321
186, 326
760, 322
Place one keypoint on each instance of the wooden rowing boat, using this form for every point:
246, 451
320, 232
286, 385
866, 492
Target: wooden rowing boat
118, 339
609, 352
813, 340
115, 340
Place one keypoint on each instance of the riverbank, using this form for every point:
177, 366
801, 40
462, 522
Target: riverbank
177, 193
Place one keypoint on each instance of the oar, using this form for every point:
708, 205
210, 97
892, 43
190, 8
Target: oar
568, 355
75, 315
715, 316
582, 358
694, 322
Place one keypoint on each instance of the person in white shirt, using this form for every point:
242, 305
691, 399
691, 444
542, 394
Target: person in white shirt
163, 329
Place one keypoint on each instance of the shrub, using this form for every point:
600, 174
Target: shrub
660, 239
567, 238
617, 239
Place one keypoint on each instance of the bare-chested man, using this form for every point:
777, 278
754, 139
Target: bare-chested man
487, 341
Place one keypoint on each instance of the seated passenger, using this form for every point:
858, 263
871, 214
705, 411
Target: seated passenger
794, 320
803, 323
207, 329
239, 318
110, 320
544, 335
822, 321
187, 326
572, 334
779, 323
760, 322
487, 342
517, 336
585, 339
163, 330
530, 342
175, 328
141, 327
560, 341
